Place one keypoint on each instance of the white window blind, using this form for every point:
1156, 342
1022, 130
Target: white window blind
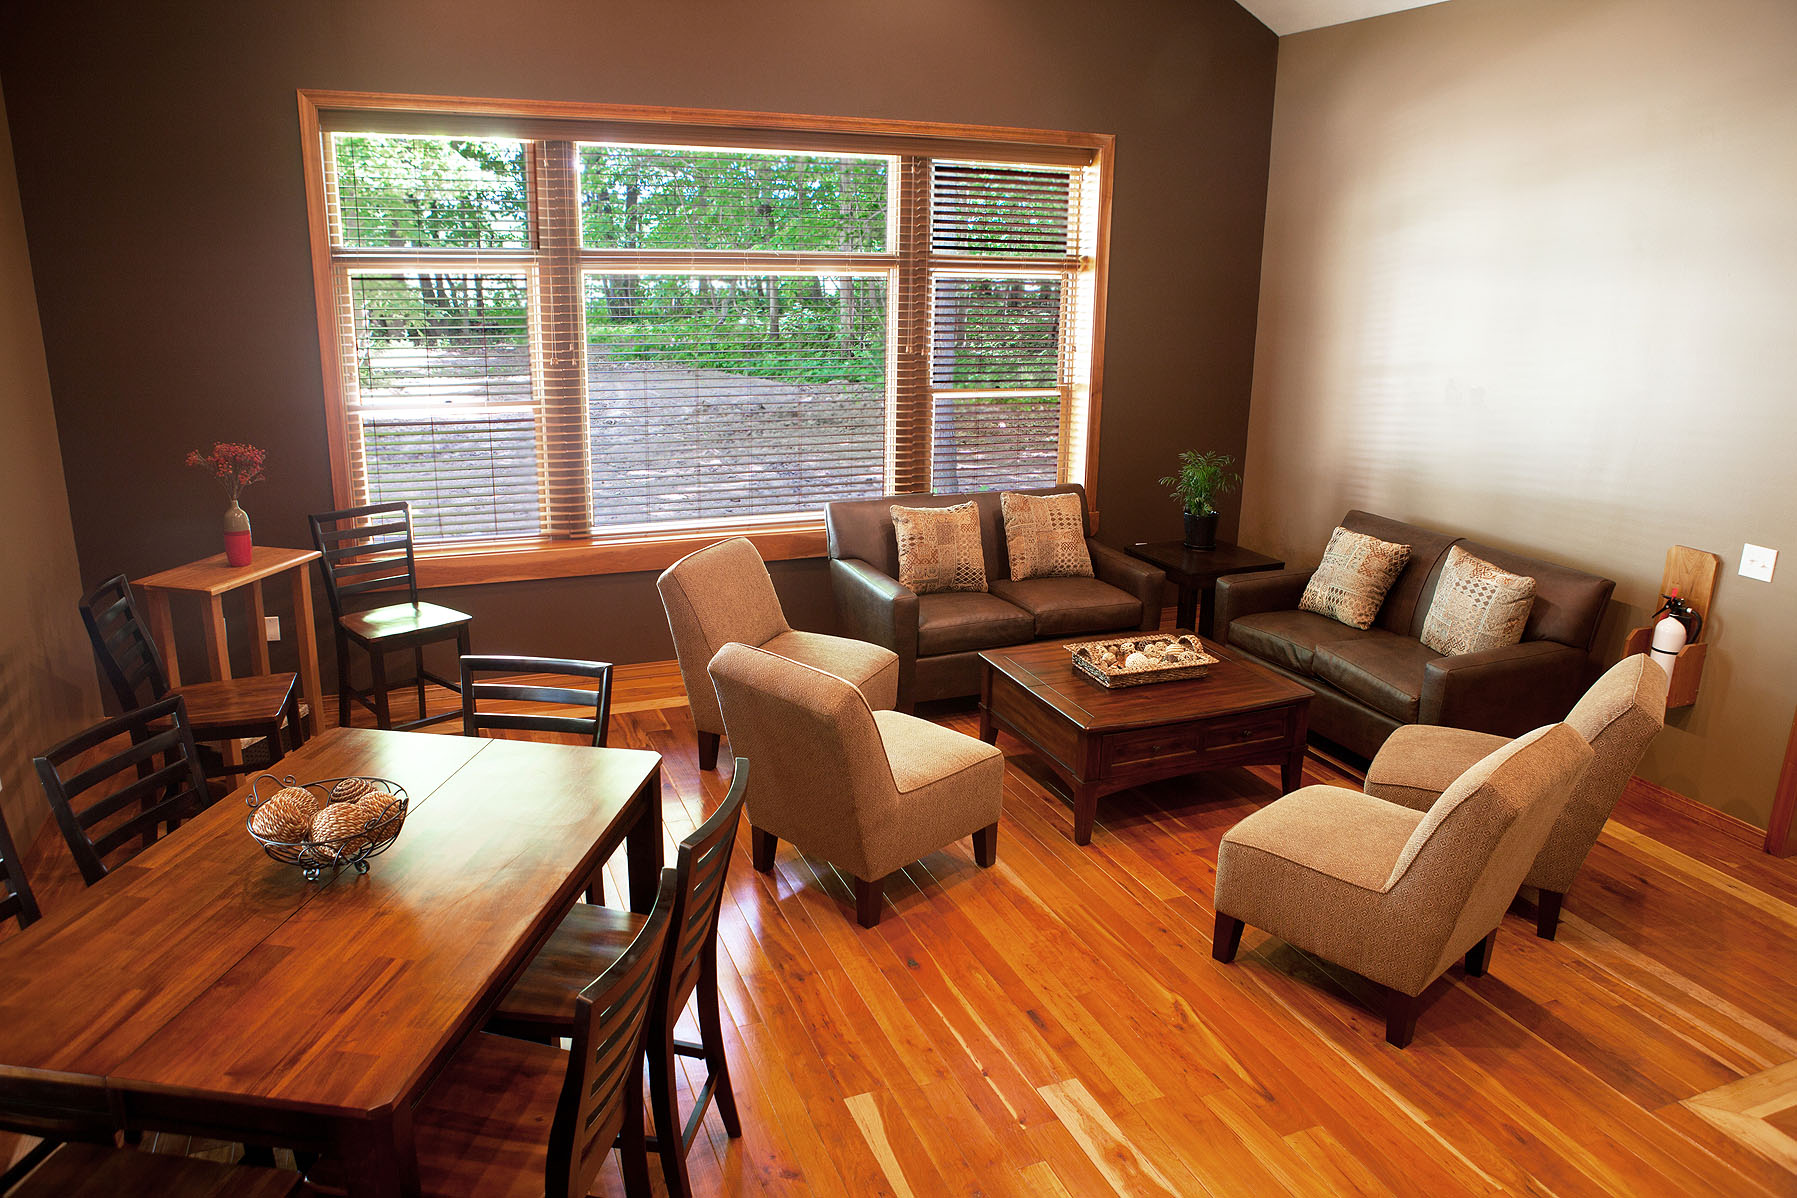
547, 337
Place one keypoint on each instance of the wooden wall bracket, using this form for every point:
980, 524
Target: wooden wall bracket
1694, 573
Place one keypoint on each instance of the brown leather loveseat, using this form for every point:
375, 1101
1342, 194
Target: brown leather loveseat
938, 637
1370, 682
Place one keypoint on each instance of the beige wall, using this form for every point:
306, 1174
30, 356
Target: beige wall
1530, 274
47, 683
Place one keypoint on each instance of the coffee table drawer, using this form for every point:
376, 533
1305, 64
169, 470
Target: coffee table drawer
1243, 731
1150, 746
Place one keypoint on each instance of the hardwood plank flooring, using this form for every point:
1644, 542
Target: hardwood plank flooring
1055, 1025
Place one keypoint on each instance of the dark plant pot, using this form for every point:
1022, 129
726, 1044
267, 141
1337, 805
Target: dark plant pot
1201, 531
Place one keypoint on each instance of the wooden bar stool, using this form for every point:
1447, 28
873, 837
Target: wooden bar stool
367, 552
537, 1006
262, 707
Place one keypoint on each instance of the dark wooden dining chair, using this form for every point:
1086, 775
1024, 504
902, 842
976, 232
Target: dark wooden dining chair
367, 558
82, 778
16, 899
262, 707
537, 1006
479, 1127
75, 1119
591, 728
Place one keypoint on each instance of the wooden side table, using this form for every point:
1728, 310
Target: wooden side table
1195, 573
212, 579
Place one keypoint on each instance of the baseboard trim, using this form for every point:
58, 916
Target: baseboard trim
1678, 804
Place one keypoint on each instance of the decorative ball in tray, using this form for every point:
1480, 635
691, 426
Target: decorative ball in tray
1135, 660
325, 824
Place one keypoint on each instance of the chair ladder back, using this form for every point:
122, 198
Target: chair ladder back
603, 1093
703, 864
169, 785
362, 554
16, 900
122, 643
598, 700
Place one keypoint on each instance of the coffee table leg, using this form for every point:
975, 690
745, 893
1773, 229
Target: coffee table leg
1085, 812
988, 731
1291, 772
1187, 616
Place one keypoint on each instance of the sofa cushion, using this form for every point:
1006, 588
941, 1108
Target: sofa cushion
1069, 606
955, 621
939, 549
1350, 582
1045, 536
1476, 606
1381, 669
1287, 638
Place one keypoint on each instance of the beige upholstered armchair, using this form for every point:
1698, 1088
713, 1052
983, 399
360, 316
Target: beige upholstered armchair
722, 594
1618, 717
868, 791
1394, 894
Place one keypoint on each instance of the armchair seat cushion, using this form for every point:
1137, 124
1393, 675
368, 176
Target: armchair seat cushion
949, 784
1381, 669
1288, 638
1070, 606
922, 753
872, 669
956, 621
1419, 761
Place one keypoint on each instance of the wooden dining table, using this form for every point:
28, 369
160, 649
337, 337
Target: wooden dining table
218, 993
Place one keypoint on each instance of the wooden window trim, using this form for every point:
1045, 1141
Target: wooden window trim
322, 110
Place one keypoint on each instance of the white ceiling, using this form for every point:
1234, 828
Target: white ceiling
1295, 16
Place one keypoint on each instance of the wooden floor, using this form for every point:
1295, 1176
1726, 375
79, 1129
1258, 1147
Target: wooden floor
1055, 1025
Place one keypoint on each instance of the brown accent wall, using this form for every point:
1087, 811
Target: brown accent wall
160, 170
1529, 277
47, 683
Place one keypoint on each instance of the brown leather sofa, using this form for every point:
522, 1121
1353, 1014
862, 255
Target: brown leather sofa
1368, 683
938, 637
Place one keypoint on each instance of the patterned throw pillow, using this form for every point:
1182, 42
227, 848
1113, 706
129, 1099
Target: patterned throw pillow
939, 548
1351, 581
1045, 536
1476, 606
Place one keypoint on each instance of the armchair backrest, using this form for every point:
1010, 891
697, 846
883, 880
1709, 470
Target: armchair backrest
1463, 864
821, 774
862, 528
1618, 717
713, 597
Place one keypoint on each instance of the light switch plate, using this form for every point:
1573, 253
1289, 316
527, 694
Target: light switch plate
271, 627
1757, 561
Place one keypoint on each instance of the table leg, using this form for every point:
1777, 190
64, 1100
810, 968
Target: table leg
1085, 811
1291, 771
259, 630
305, 642
642, 849
380, 1157
218, 657
1187, 616
162, 627
988, 730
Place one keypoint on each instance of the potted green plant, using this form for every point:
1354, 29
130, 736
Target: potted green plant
1202, 479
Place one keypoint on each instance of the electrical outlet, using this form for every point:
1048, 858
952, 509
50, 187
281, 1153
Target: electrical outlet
1757, 561
271, 627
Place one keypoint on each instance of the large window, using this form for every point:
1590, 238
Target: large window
584, 326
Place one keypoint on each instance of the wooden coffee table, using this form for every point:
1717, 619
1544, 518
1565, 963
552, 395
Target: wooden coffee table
1100, 741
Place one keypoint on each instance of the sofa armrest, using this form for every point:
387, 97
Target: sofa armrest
1144, 580
874, 606
1506, 691
1239, 595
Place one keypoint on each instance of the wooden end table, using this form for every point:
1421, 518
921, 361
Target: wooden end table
211, 579
1099, 741
1195, 573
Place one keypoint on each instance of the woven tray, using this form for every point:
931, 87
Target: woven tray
1161, 657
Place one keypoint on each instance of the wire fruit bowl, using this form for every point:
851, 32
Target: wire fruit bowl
315, 856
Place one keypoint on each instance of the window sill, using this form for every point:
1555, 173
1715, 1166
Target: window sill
461, 567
